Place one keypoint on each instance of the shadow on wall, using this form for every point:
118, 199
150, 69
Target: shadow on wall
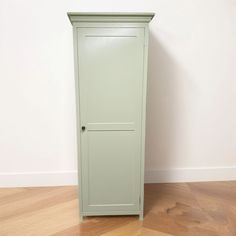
164, 104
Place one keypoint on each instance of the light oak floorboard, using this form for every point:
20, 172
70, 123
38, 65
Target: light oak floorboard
185, 209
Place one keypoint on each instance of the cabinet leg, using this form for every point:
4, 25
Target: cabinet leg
81, 218
141, 216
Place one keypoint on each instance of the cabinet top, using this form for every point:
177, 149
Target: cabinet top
110, 16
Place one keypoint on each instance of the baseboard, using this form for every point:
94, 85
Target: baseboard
62, 178
35, 179
190, 174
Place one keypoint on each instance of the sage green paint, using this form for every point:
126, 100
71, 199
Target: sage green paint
110, 53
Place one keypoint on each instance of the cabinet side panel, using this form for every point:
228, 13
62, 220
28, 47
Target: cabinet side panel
76, 78
143, 132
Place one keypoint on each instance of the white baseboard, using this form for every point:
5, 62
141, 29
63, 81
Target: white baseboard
190, 174
62, 178
35, 179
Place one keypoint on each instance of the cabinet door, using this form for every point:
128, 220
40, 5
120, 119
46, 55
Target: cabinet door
110, 65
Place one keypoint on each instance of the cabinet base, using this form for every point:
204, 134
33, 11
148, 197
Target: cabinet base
83, 216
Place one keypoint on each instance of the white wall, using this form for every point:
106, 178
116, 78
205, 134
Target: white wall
191, 118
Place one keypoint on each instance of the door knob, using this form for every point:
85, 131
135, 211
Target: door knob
83, 128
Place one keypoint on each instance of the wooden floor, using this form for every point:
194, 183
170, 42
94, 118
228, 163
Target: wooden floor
198, 209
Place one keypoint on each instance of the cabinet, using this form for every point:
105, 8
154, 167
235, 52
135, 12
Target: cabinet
110, 57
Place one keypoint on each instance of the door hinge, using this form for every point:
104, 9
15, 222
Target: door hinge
139, 200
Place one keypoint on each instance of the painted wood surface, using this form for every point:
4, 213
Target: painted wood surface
111, 74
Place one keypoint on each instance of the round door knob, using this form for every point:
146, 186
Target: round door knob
83, 128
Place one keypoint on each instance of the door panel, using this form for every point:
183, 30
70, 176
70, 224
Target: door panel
110, 87
108, 173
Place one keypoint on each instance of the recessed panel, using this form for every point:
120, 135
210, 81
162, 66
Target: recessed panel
112, 161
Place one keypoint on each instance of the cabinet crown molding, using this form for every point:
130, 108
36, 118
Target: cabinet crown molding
110, 17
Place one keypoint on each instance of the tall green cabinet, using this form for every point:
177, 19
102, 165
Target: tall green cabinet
110, 57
